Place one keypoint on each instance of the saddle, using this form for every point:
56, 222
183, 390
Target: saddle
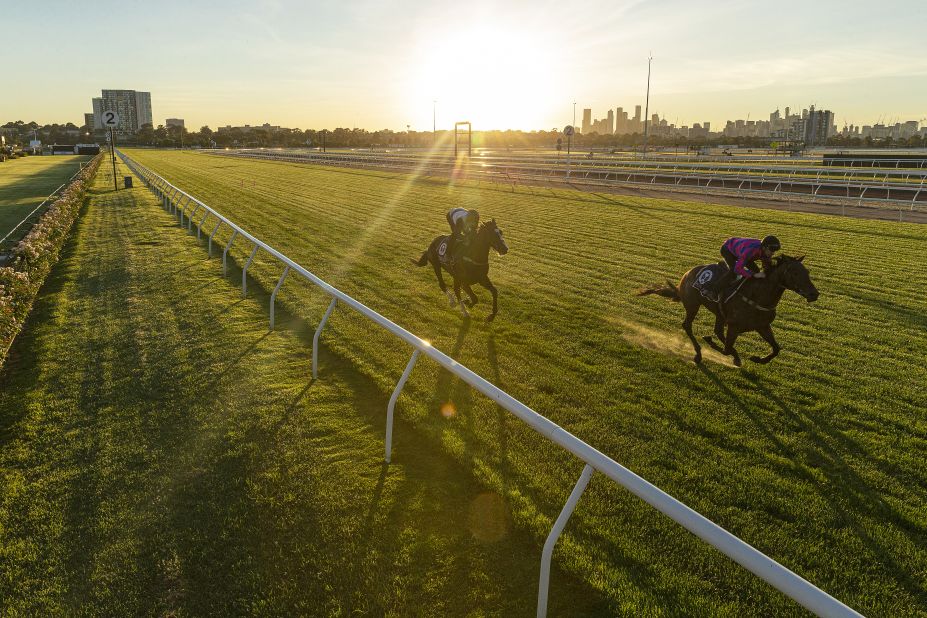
708, 275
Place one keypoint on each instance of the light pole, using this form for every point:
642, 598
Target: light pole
647, 107
434, 123
574, 113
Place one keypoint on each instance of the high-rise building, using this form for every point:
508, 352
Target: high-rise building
587, 120
134, 109
174, 122
88, 121
143, 106
97, 113
611, 122
818, 126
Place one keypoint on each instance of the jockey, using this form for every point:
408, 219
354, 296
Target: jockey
740, 254
463, 223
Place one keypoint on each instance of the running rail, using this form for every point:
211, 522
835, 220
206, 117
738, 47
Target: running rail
834, 184
778, 576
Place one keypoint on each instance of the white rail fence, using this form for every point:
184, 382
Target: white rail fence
906, 189
185, 206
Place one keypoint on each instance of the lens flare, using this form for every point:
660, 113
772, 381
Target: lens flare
488, 518
448, 410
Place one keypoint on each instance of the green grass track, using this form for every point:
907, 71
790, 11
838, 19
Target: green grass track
162, 454
25, 182
815, 459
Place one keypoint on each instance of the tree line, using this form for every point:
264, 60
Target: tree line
20, 132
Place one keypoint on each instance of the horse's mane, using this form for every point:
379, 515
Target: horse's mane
781, 260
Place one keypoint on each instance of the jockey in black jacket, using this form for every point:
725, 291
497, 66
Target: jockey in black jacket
464, 224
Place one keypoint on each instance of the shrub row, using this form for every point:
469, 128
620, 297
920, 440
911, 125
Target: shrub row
32, 258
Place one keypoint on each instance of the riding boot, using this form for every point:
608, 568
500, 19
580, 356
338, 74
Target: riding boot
460, 244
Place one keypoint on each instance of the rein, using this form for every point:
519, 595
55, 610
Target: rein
754, 304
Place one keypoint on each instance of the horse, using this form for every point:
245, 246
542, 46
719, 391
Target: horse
473, 267
752, 307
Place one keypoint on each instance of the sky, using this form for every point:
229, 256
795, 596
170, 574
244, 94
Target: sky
514, 64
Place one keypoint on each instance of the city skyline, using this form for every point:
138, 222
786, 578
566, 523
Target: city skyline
517, 65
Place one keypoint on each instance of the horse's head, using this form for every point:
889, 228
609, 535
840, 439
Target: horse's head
793, 275
494, 234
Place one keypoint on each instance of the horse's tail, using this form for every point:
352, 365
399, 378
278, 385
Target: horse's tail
670, 291
421, 261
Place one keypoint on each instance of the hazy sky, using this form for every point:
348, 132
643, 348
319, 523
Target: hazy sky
500, 64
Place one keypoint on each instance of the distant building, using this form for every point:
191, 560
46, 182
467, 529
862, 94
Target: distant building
97, 113
88, 121
248, 128
818, 126
174, 122
134, 109
143, 107
587, 120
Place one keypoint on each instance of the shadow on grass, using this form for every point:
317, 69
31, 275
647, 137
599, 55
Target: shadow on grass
844, 485
186, 481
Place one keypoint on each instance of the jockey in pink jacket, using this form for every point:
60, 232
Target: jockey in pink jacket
740, 254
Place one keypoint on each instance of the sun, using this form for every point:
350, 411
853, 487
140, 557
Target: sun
496, 77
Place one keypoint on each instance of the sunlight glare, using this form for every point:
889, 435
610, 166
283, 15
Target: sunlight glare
494, 76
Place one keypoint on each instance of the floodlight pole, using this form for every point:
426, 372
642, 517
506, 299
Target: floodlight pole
647, 107
434, 123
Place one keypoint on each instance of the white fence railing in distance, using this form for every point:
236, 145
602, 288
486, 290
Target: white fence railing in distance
177, 202
817, 184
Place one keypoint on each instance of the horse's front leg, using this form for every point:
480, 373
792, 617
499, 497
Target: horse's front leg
440, 276
473, 299
729, 341
486, 283
463, 307
719, 332
767, 334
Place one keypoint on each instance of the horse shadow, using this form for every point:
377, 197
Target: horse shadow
844, 485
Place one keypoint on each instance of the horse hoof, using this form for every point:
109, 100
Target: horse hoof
707, 339
757, 359
737, 362
698, 359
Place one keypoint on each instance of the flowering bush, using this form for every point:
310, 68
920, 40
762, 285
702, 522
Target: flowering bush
32, 258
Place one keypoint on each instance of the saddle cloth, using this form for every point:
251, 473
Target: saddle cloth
707, 275
444, 253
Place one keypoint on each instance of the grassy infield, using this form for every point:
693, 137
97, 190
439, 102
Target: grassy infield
162, 452
24, 183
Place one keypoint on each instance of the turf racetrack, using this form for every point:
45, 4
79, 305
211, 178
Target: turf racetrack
25, 182
816, 459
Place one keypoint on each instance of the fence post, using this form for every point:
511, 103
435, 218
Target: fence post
315, 338
392, 403
559, 525
199, 226
213, 233
190, 217
244, 271
226, 252
273, 295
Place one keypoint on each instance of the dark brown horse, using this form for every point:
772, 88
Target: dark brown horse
751, 308
473, 267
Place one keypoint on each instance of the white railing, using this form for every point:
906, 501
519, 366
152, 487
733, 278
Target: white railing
816, 184
178, 202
